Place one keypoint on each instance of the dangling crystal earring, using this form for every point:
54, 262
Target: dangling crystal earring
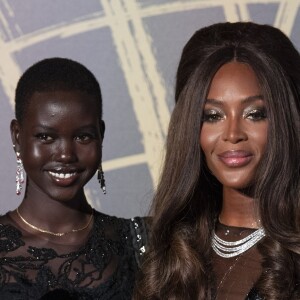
19, 174
100, 176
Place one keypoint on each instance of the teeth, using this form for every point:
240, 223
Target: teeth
62, 175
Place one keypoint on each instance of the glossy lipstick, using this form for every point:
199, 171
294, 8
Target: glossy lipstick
235, 158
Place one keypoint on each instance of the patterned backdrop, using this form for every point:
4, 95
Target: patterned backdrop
133, 48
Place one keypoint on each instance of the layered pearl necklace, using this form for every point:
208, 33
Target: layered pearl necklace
230, 249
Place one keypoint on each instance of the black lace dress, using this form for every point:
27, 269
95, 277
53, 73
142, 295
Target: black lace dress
103, 268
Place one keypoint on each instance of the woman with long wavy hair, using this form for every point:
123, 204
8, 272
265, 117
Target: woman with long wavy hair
226, 221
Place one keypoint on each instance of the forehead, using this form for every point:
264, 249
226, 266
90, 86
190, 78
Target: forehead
234, 80
62, 102
61, 106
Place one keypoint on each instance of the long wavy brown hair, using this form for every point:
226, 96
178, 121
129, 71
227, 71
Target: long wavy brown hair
188, 198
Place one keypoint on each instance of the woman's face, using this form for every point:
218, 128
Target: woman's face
60, 142
234, 131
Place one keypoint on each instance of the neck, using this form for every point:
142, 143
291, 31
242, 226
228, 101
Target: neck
238, 209
55, 215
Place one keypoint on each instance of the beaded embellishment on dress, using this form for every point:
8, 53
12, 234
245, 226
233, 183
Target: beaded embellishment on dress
103, 268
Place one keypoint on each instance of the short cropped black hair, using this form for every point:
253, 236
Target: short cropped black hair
54, 74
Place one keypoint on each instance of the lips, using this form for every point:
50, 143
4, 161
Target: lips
63, 177
235, 158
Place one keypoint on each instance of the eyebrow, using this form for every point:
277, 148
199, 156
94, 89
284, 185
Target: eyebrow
244, 100
45, 127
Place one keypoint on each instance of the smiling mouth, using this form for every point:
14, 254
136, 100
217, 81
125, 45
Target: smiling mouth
235, 159
62, 175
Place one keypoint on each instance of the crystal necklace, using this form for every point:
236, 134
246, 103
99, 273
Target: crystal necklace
230, 249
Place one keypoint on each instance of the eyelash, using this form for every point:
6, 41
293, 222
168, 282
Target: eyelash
256, 114
44, 137
83, 137
212, 116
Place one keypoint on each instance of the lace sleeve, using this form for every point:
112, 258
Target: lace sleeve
138, 232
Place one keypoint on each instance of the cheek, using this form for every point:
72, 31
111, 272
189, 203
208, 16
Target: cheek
208, 138
33, 154
34, 158
37, 152
260, 137
91, 155
207, 144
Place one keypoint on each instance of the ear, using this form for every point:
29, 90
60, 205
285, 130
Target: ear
102, 128
15, 134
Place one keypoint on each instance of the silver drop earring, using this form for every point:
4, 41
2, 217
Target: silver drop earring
19, 174
100, 176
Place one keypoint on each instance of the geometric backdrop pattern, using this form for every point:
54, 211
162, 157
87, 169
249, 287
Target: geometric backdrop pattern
133, 48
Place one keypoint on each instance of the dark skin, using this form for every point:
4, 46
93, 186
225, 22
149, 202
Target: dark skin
60, 143
233, 138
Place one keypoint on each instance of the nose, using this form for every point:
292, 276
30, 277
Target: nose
234, 131
66, 152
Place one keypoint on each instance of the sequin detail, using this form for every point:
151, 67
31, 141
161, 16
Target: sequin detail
139, 234
104, 268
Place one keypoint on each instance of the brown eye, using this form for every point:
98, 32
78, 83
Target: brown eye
256, 114
84, 138
44, 137
212, 116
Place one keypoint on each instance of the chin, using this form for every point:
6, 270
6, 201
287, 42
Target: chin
64, 197
237, 180
237, 184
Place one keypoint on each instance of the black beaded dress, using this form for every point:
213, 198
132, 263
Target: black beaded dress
103, 267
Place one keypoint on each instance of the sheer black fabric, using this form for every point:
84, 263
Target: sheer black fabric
236, 276
253, 295
103, 267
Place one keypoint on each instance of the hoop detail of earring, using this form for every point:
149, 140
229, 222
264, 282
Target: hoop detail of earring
100, 177
19, 174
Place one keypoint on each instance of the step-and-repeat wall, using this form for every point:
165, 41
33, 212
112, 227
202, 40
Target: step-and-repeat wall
133, 47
